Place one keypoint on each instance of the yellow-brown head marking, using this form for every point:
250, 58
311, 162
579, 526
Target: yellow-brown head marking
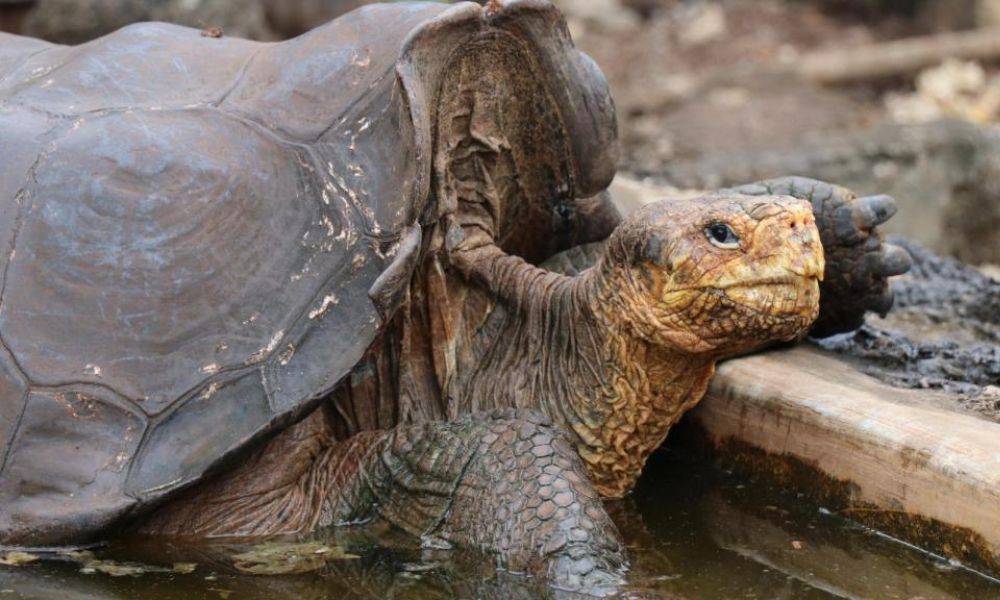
721, 274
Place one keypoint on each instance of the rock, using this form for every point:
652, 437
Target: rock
609, 15
290, 18
704, 23
955, 88
988, 13
630, 193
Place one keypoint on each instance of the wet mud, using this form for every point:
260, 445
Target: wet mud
943, 333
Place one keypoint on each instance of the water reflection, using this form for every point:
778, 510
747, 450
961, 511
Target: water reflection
692, 533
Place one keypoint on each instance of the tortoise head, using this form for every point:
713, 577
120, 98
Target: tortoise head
720, 274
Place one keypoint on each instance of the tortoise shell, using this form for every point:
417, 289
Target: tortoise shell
203, 236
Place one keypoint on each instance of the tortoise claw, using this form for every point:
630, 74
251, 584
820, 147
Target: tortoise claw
854, 221
872, 210
883, 302
894, 261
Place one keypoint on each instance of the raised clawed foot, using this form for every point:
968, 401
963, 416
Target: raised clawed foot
507, 483
858, 261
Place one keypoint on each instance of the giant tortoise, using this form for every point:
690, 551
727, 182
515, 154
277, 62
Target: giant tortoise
253, 289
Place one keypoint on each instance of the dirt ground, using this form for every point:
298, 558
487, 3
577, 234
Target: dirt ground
684, 81
942, 334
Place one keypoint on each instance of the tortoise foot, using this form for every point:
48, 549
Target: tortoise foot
511, 485
858, 261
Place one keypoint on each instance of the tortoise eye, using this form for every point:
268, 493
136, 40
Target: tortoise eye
722, 235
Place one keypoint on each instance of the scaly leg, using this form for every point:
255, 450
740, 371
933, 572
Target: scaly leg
505, 482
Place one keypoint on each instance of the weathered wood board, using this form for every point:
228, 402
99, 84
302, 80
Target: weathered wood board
894, 459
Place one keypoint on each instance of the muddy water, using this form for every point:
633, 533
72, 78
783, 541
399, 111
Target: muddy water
693, 532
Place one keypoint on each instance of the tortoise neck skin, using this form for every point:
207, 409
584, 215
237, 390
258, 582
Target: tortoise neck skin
619, 352
626, 391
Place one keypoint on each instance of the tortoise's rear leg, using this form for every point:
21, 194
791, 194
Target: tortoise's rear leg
505, 482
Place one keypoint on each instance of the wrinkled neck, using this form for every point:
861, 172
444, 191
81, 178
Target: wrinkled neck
563, 345
645, 388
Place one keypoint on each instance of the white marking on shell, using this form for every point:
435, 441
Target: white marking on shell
359, 61
121, 458
388, 253
286, 354
304, 163
269, 348
40, 72
328, 301
364, 207
92, 370
210, 390
328, 223
343, 183
211, 369
164, 486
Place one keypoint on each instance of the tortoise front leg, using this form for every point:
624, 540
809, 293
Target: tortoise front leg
506, 482
858, 261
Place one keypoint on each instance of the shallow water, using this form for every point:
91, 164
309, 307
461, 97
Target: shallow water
693, 532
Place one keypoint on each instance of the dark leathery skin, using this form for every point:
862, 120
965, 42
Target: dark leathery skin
858, 261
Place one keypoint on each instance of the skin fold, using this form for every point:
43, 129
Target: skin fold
579, 377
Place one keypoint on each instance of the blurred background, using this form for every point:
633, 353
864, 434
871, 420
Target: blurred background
884, 96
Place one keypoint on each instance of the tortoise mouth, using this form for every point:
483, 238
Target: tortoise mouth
776, 281
778, 298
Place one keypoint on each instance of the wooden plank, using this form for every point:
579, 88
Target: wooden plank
934, 471
898, 57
